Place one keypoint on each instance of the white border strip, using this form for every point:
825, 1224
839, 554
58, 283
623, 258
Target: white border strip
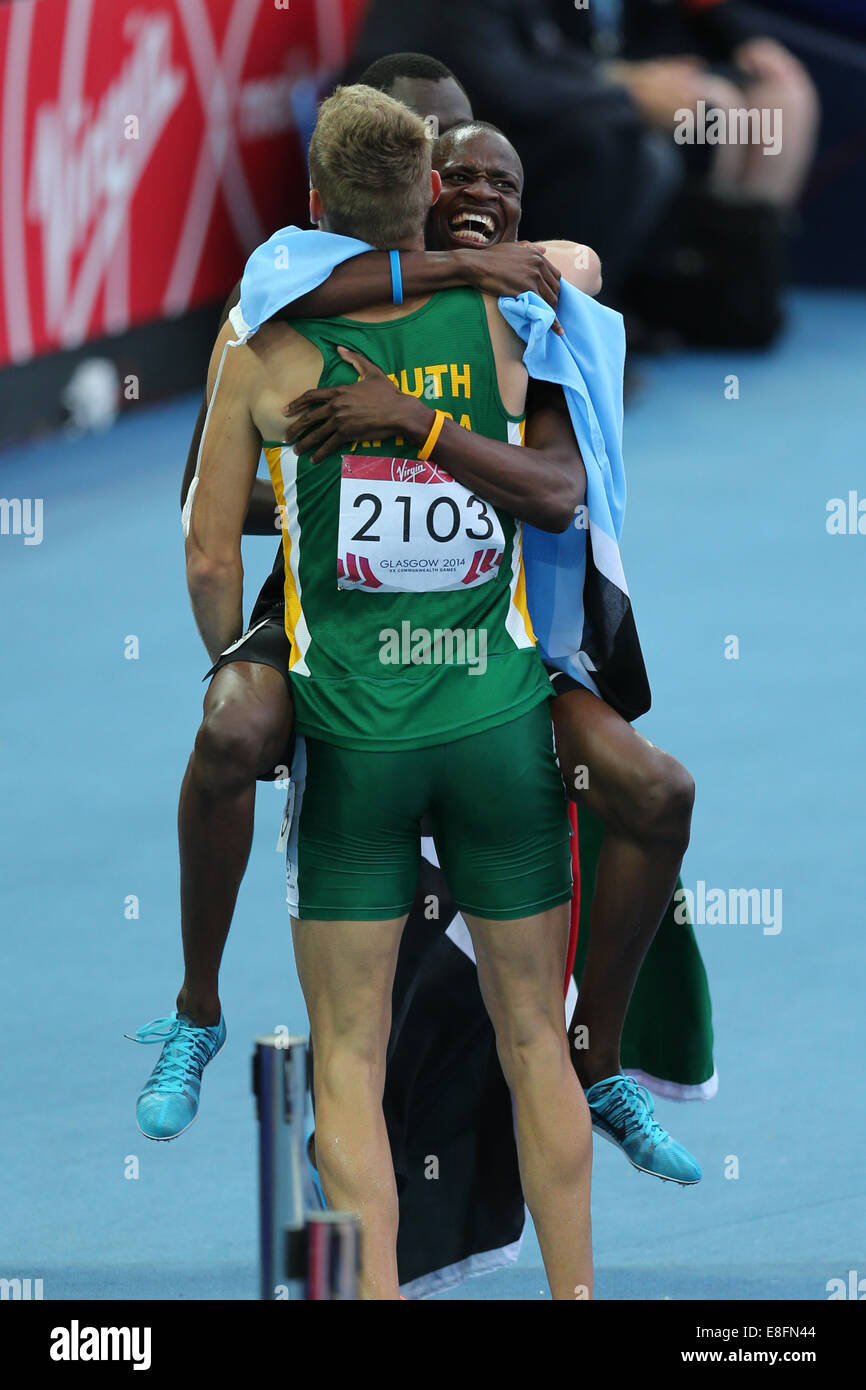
674, 1090
451, 1275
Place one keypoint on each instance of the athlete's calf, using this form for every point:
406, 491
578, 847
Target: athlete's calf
244, 733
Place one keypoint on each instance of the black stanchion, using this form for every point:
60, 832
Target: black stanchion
279, 1085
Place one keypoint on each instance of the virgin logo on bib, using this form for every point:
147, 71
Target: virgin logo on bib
408, 527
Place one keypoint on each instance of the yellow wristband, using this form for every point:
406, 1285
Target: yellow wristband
436, 430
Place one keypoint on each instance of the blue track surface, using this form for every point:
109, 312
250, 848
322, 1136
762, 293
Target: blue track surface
725, 536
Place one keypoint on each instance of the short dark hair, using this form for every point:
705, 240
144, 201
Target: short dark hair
474, 125
385, 71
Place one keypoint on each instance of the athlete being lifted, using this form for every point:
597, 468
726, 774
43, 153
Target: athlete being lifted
382, 744
642, 795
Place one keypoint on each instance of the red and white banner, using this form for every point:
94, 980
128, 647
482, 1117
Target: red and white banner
145, 147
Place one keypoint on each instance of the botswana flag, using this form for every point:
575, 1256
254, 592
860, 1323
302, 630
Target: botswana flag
447, 1106
575, 583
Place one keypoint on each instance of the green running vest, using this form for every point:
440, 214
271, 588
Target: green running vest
405, 595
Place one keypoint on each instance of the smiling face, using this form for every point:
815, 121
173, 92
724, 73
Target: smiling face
482, 180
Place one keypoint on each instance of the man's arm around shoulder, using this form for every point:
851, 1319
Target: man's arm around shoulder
261, 518
229, 458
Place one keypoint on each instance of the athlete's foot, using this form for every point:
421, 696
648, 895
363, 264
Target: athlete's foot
622, 1113
168, 1104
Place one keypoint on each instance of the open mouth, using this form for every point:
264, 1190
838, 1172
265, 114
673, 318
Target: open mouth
472, 228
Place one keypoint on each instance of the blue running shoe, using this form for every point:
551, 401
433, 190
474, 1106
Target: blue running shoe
169, 1102
622, 1113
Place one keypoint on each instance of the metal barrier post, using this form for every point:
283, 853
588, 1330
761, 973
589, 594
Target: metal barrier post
333, 1255
279, 1085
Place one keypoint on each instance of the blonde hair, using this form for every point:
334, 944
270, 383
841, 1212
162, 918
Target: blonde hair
370, 160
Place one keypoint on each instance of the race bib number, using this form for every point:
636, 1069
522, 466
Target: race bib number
408, 527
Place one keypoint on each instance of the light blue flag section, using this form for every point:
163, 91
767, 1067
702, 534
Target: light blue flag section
587, 362
287, 266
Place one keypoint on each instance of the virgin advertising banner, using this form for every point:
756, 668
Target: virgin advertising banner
145, 147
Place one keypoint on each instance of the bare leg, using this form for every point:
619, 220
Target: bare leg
729, 160
520, 967
644, 798
744, 171
346, 971
246, 726
780, 178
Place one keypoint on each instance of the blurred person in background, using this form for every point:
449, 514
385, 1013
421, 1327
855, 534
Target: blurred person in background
691, 236
595, 170
714, 272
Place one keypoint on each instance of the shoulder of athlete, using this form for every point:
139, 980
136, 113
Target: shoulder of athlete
275, 365
508, 349
232, 367
576, 263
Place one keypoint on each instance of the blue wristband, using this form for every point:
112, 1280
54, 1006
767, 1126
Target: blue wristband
396, 277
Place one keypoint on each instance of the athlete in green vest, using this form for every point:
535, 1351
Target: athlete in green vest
417, 684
